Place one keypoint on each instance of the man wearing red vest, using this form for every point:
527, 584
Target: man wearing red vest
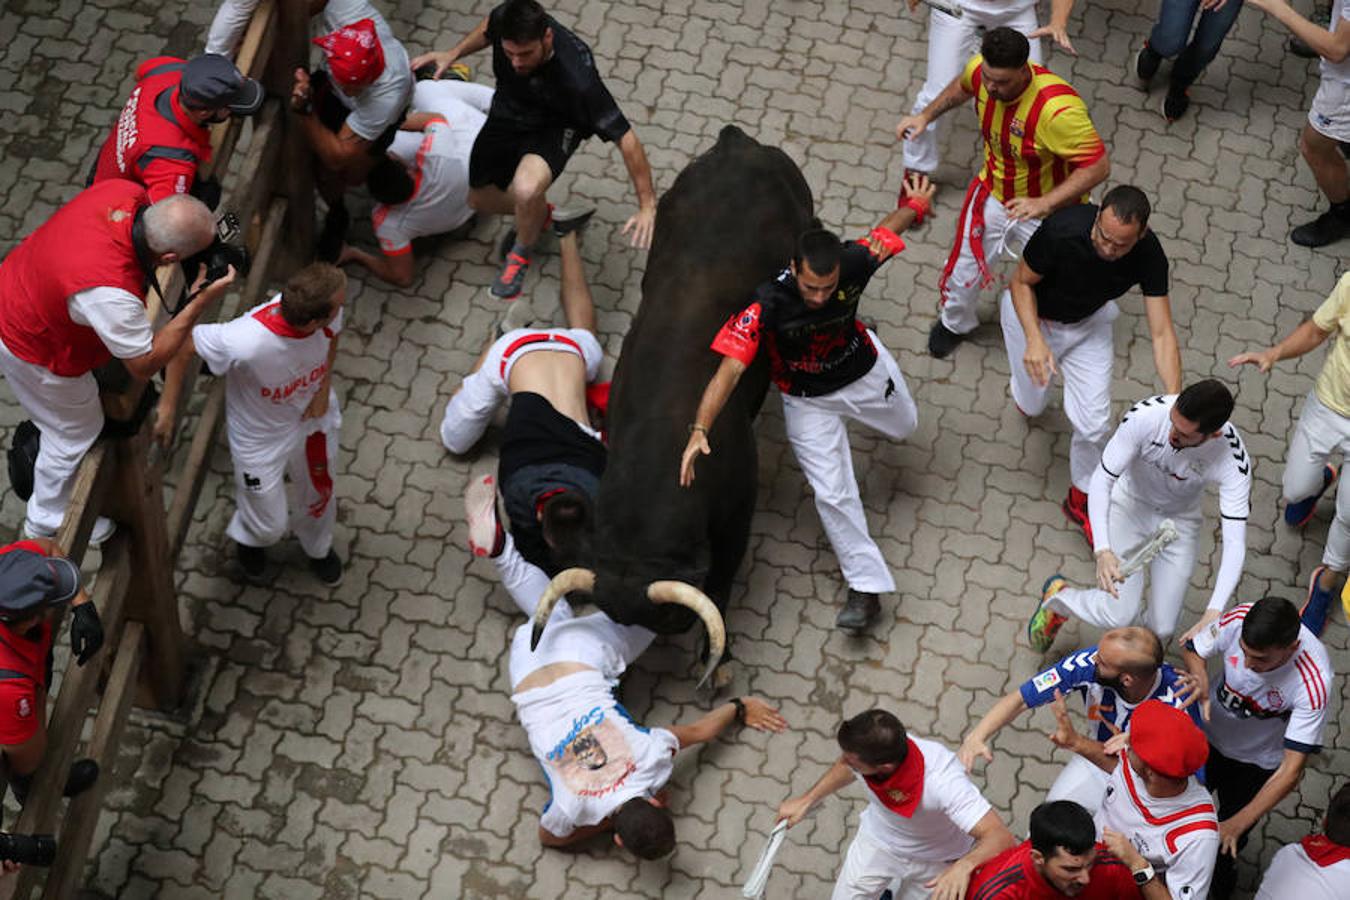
926, 826
162, 134
35, 582
72, 297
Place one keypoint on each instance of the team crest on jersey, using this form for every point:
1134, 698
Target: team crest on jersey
1274, 699
1046, 680
1018, 127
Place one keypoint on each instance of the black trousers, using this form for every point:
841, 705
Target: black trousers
1236, 783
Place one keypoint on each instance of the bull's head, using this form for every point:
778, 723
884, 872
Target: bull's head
658, 592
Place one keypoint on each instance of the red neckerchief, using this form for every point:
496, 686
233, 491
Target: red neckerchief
1324, 851
901, 791
270, 318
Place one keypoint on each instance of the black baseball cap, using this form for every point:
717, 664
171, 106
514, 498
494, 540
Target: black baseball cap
29, 581
212, 81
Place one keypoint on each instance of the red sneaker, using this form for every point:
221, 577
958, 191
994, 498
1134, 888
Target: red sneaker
1075, 506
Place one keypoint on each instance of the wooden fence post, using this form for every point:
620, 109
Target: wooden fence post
295, 180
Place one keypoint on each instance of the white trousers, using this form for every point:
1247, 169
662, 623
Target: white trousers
310, 461
1003, 239
68, 413
871, 867
1084, 354
1082, 782
819, 438
1320, 435
469, 411
1169, 573
951, 44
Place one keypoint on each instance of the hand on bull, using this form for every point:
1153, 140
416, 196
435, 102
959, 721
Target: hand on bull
640, 226
762, 717
698, 444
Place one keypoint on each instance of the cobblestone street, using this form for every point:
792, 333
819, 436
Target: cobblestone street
361, 741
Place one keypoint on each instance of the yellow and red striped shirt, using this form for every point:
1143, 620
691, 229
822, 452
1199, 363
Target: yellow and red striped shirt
1033, 143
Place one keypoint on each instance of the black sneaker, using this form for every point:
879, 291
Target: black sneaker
1146, 63
566, 221
1328, 228
942, 340
1175, 104
253, 560
512, 277
83, 774
328, 570
860, 611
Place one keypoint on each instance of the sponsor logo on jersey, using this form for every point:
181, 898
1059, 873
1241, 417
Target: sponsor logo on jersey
1046, 680
1274, 699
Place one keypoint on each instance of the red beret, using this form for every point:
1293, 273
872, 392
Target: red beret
1167, 739
354, 54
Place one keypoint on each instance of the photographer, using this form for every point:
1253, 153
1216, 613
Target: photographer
163, 132
35, 582
72, 297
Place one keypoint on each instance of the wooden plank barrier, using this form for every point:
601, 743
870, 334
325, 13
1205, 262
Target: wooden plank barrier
145, 651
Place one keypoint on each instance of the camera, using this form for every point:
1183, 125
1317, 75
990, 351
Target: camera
28, 849
218, 257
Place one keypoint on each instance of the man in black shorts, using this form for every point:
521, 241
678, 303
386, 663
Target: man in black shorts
829, 367
549, 99
1057, 320
551, 457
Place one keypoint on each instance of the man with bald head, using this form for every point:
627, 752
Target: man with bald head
72, 297
1122, 671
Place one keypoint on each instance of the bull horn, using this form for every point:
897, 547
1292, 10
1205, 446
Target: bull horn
565, 582
690, 597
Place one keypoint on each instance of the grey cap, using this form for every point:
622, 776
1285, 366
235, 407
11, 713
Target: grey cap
29, 580
212, 81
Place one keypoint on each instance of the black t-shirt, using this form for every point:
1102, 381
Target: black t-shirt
811, 351
1075, 281
564, 92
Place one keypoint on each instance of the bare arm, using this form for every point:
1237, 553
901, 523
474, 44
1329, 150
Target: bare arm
643, 222
1058, 29
794, 809
758, 715
574, 837
475, 40
715, 396
1333, 46
318, 404
1276, 788
1303, 339
167, 411
1166, 352
1009, 707
1068, 192
992, 837
1038, 360
952, 96
345, 153
397, 269
170, 338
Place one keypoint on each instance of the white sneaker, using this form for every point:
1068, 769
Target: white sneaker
480, 508
103, 529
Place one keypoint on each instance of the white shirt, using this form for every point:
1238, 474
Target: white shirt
271, 375
439, 159
117, 317
1172, 481
596, 758
1293, 876
1255, 716
949, 808
991, 9
1340, 14
1179, 836
381, 103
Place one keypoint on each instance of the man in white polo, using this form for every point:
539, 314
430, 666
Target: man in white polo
926, 825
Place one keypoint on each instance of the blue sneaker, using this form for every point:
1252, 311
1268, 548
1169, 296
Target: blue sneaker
1296, 515
1315, 608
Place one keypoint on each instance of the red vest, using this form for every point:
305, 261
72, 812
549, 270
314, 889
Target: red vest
85, 244
153, 129
20, 653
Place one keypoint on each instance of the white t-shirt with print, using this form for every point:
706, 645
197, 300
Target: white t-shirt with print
596, 758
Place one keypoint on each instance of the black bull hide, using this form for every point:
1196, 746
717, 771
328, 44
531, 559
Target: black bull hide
728, 223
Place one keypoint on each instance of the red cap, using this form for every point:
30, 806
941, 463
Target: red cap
1167, 739
354, 54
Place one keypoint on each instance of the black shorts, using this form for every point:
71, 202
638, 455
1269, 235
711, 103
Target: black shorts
332, 113
502, 144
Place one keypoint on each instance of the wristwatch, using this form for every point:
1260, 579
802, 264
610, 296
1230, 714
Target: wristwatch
1143, 876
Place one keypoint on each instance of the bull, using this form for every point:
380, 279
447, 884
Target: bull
664, 556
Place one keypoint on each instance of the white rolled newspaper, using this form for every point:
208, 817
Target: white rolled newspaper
1165, 534
759, 878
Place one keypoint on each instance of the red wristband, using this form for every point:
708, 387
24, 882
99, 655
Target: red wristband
887, 238
919, 205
